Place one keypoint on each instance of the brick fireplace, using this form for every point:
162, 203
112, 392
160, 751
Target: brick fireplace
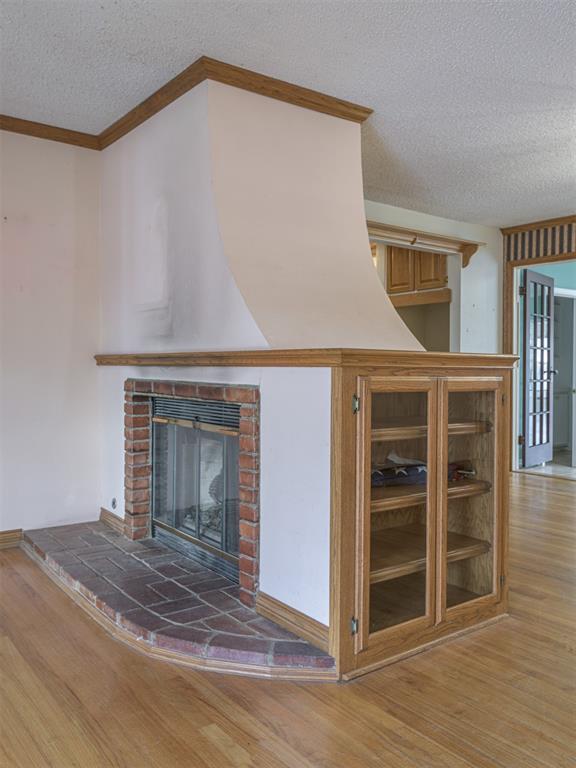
138, 446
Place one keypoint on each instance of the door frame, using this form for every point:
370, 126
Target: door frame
510, 328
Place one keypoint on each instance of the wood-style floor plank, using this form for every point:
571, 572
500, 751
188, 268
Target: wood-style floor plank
502, 697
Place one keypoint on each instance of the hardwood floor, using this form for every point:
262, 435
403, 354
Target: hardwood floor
72, 697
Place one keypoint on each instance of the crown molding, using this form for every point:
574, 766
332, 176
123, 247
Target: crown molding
412, 238
50, 132
571, 219
202, 69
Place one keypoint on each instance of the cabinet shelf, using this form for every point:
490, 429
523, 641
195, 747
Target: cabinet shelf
408, 429
401, 550
403, 496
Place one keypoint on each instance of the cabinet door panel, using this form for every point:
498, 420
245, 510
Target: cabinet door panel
399, 270
470, 492
430, 271
396, 531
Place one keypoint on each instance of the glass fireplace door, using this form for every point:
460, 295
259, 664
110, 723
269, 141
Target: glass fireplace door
195, 482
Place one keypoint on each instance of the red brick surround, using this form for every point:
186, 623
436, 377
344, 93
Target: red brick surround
138, 466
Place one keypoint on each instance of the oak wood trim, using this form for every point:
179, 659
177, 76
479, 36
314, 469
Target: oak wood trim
206, 68
9, 539
304, 358
343, 506
440, 296
50, 132
209, 665
293, 620
361, 671
202, 69
571, 219
412, 238
508, 299
112, 520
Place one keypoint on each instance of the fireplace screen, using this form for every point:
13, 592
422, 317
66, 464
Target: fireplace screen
195, 475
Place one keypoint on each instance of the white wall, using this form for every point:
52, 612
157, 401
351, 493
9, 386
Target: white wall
165, 282
288, 191
49, 410
295, 471
479, 299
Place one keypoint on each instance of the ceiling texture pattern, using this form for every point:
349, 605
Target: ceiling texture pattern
474, 102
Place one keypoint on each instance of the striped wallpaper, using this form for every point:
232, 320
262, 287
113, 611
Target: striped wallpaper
544, 241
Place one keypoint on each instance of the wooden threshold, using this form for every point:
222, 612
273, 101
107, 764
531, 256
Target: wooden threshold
303, 358
404, 496
401, 550
293, 620
408, 429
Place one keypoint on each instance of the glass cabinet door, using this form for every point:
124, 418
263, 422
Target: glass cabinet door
398, 489
471, 492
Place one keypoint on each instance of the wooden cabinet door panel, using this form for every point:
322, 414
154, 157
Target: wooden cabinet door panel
399, 270
430, 271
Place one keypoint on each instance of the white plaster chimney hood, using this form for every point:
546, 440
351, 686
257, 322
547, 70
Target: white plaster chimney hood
233, 220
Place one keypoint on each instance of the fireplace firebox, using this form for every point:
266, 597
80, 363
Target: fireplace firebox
195, 493
192, 473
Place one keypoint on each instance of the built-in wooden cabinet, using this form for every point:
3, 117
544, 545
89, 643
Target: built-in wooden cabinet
430, 271
399, 270
429, 554
408, 270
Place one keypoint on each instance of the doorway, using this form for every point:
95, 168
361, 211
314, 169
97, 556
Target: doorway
546, 382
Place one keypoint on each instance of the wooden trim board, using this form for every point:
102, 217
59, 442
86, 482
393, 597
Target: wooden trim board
421, 298
413, 238
508, 293
304, 358
202, 69
571, 219
9, 539
293, 620
50, 132
112, 520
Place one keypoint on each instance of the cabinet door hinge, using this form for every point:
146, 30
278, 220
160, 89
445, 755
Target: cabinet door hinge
520, 439
353, 626
355, 403
503, 399
502, 579
522, 291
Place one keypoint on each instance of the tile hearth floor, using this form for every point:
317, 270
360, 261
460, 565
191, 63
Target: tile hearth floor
166, 599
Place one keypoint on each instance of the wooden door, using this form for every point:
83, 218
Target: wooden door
399, 270
537, 368
430, 270
473, 496
396, 530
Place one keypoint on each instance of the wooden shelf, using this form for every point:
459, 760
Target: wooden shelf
394, 602
402, 550
403, 496
407, 429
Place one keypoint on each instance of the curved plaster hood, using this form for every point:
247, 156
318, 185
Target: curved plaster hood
232, 220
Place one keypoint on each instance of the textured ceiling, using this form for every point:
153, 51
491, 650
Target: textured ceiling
475, 104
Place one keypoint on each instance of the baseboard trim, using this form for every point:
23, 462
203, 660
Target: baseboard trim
112, 520
293, 620
353, 674
9, 539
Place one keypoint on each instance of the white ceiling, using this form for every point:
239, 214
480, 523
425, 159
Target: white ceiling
474, 101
